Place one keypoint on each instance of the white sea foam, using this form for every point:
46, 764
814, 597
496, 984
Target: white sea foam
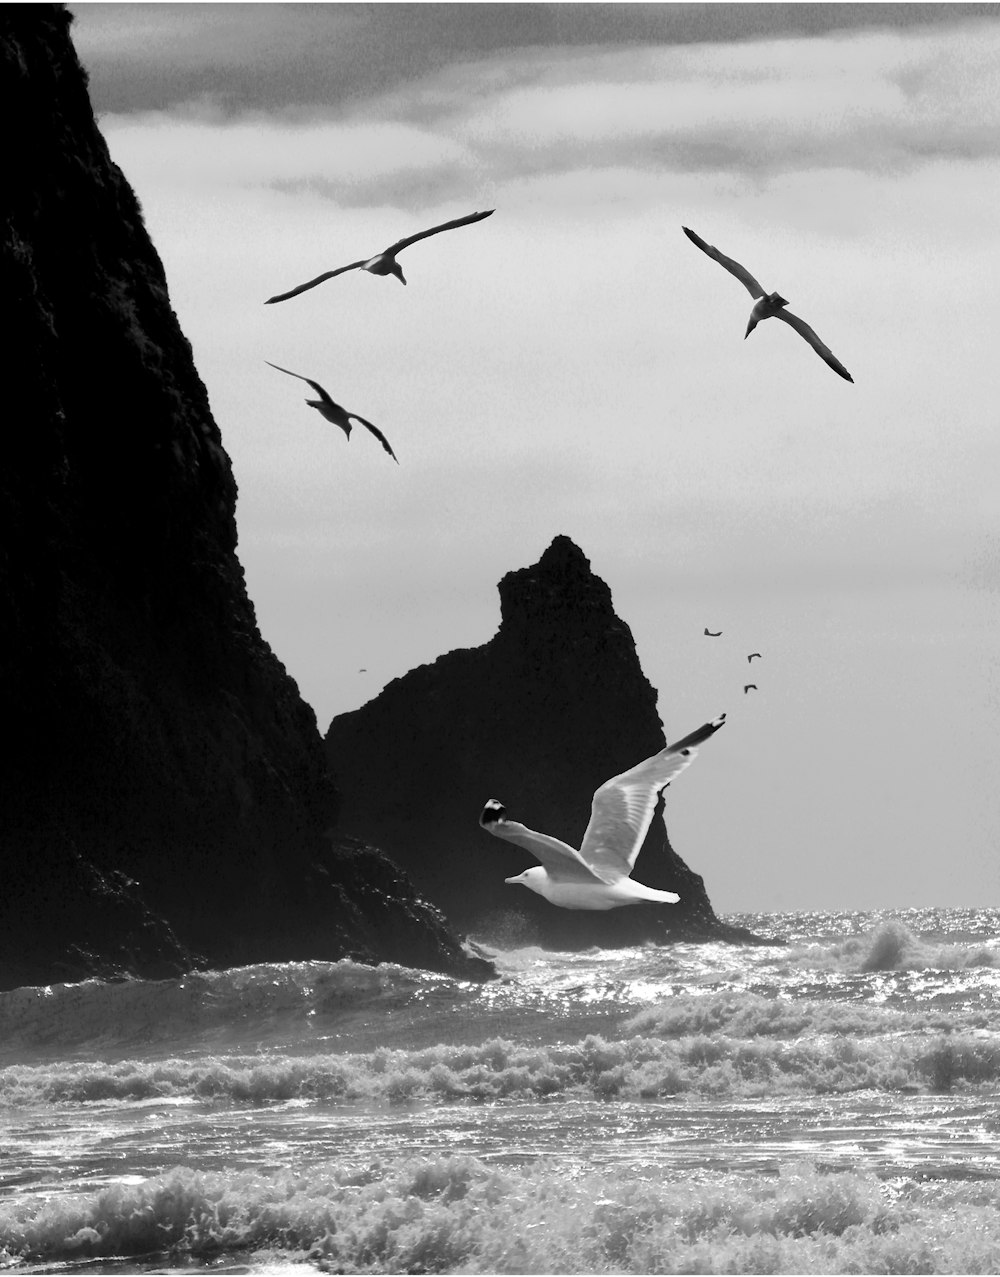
866, 1043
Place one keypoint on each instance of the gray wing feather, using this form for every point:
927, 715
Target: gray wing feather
561, 861
734, 268
824, 351
624, 806
435, 230
309, 382
302, 288
377, 433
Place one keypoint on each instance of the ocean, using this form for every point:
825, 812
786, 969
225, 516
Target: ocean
828, 1105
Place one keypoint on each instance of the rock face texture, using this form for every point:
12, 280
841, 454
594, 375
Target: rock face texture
166, 793
538, 717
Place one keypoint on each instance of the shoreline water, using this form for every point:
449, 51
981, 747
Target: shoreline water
831, 1103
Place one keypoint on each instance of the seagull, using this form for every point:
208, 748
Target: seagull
597, 876
751, 656
383, 263
770, 304
333, 411
748, 686
713, 633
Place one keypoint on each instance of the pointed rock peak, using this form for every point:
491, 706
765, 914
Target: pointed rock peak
562, 554
557, 596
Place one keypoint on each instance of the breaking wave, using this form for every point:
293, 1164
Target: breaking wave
894, 947
457, 1213
624, 1111
269, 998
713, 1045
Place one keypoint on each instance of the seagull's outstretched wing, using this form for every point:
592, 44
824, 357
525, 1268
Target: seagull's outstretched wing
824, 352
734, 268
624, 806
561, 861
434, 230
309, 382
353, 416
302, 288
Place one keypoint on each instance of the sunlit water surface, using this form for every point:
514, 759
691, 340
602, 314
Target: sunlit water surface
165, 1119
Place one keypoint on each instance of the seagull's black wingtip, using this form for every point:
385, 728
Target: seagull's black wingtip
492, 813
698, 735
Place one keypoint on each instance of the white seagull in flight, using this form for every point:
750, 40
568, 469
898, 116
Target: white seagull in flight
333, 412
597, 876
770, 305
383, 263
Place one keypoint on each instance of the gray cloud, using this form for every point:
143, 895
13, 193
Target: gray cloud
270, 56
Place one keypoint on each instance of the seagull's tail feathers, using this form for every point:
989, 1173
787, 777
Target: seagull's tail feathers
698, 735
642, 892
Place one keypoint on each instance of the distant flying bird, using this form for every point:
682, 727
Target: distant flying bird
748, 686
770, 305
383, 263
325, 406
751, 656
363, 670
597, 876
713, 633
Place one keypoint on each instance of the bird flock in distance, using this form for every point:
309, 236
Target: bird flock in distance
747, 687
766, 306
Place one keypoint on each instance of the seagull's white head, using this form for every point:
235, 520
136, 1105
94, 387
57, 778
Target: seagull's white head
533, 879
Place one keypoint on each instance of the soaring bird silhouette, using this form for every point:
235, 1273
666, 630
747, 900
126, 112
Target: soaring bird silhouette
383, 263
751, 656
748, 686
325, 406
713, 633
770, 305
597, 876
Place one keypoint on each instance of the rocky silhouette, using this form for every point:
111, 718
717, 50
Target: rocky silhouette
165, 798
542, 714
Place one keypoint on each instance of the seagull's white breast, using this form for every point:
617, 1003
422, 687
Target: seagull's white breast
598, 895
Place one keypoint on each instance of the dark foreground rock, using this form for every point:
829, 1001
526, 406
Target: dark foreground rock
165, 794
555, 704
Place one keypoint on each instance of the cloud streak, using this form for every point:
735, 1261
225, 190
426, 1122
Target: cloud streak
867, 103
153, 56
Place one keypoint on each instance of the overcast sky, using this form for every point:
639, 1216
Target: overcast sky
574, 365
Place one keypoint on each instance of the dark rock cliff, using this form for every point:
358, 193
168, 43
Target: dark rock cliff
160, 764
555, 704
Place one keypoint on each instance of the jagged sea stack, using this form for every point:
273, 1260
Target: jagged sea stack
165, 792
555, 704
